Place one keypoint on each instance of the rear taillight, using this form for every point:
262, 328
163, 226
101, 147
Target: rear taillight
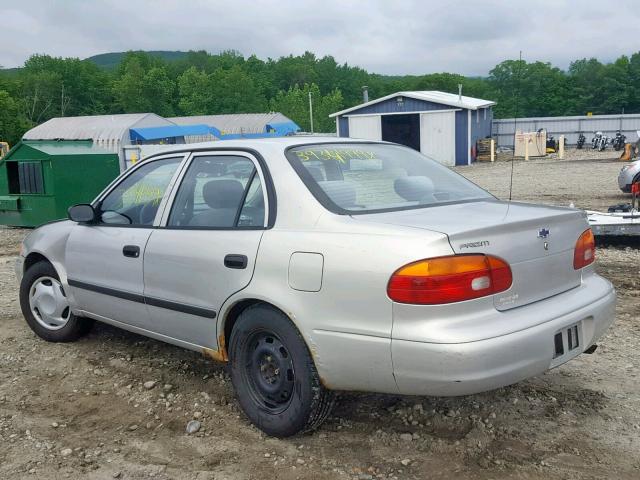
585, 251
449, 279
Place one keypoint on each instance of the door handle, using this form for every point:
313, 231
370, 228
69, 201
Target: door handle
236, 261
132, 251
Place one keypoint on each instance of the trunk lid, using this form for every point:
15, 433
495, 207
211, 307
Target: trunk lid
537, 241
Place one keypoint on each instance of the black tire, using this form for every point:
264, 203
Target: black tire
275, 379
74, 328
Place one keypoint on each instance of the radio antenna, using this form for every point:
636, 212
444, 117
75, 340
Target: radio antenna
515, 122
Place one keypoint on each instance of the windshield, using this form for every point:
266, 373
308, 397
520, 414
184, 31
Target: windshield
363, 178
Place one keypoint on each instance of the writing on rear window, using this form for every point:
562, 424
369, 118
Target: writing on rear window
341, 155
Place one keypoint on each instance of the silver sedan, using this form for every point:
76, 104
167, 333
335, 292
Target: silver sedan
629, 174
314, 265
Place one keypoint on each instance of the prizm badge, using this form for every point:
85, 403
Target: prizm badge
543, 233
481, 243
508, 300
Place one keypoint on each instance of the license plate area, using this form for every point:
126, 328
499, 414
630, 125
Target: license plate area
567, 342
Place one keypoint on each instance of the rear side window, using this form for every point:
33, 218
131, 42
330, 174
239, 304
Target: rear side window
351, 178
219, 192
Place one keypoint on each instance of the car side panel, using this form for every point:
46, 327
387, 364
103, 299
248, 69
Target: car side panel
187, 267
95, 262
347, 323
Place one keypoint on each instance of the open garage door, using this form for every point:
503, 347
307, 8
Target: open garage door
438, 136
367, 127
402, 129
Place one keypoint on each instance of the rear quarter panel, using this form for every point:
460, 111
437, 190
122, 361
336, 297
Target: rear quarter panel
347, 323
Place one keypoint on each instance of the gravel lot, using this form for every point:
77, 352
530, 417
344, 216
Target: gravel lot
116, 405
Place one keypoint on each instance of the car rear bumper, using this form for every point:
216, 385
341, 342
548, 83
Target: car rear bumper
447, 369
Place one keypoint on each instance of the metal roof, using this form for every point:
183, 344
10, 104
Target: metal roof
99, 128
238, 123
434, 96
60, 147
257, 143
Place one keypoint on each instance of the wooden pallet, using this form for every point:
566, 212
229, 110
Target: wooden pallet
483, 150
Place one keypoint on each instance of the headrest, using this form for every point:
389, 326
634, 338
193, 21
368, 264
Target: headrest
340, 192
213, 169
222, 193
413, 189
316, 173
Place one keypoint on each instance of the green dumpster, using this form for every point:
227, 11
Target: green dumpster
40, 179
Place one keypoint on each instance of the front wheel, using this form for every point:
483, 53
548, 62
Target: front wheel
275, 379
45, 306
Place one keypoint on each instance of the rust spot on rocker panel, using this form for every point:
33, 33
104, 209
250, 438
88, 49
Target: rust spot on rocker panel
219, 355
314, 353
324, 383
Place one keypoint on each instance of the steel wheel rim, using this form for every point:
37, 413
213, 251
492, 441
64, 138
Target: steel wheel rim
268, 371
48, 303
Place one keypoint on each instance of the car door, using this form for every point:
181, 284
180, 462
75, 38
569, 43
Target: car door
104, 258
205, 249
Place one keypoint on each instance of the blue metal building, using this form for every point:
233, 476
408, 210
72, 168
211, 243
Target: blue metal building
443, 126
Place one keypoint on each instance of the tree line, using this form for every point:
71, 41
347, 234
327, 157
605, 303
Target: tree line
201, 83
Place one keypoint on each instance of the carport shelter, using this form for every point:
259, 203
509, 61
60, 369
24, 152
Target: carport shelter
40, 179
443, 126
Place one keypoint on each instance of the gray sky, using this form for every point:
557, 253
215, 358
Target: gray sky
386, 36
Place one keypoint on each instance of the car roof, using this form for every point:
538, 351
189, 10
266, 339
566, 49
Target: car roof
258, 143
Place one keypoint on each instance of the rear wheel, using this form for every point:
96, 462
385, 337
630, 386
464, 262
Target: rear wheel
45, 306
274, 376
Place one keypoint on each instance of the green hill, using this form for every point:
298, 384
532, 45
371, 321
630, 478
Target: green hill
113, 59
10, 71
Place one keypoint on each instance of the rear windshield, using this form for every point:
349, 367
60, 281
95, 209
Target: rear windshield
367, 177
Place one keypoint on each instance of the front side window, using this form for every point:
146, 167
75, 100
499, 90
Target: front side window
219, 192
352, 178
136, 199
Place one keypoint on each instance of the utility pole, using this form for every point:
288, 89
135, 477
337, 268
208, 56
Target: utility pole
62, 102
311, 112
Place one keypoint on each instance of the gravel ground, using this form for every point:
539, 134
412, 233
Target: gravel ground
116, 405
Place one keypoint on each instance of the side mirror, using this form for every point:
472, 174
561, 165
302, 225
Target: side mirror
82, 213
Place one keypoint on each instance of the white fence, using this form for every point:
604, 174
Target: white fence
503, 130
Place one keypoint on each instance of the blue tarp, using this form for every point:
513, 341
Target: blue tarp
283, 129
171, 131
167, 131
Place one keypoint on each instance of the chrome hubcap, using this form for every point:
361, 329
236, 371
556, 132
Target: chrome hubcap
49, 304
